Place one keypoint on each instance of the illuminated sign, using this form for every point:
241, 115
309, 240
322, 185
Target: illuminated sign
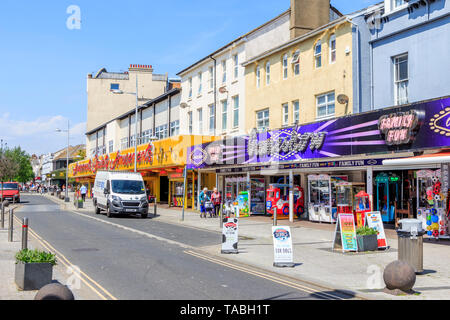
399, 127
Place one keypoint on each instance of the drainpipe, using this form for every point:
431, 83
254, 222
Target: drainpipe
358, 93
215, 94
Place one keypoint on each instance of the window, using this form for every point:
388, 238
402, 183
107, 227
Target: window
211, 78
161, 132
267, 73
285, 115
124, 143
318, 54
235, 111
174, 128
212, 119
401, 79
296, 112
190, 121
132, 140
224, 115
258, 76
114, 86
145, 138
199, 83
224, 71
397, 3
296, 62
285, 67
262, 120
111, 146
190, 87
236, 66
325, 105
200, 120
333, 49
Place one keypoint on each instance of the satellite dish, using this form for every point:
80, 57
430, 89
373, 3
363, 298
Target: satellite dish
342, 99
223, 89
183, 105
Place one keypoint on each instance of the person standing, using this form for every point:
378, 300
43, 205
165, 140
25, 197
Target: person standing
203, 198
83, 191
216, 199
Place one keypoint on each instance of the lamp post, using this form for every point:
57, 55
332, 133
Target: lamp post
66, 198
135, 119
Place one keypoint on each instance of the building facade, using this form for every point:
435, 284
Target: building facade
105, 104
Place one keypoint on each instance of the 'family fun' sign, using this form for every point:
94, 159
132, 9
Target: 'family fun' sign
414, 127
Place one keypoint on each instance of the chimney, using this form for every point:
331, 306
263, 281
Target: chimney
307, 15
140, 68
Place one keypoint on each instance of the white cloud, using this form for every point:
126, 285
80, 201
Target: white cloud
39, 135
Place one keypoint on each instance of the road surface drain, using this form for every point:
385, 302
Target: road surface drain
85, 249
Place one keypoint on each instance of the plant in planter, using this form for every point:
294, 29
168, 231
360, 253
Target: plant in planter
367, 239
79, 203
34, 269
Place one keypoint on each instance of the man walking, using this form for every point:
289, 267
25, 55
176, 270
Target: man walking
83, 191
216, 199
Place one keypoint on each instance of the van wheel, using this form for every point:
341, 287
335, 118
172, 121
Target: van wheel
96, 210
108, 211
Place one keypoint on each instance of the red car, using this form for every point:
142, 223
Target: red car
10, 191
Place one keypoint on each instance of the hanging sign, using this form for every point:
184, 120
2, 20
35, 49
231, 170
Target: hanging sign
230, 236
282, 247
374, 221
345, 234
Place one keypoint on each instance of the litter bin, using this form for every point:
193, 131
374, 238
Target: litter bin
410, 243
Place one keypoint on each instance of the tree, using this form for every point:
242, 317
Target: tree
25, 172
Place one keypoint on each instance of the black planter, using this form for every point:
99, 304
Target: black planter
367, 243
79, 204
33, 276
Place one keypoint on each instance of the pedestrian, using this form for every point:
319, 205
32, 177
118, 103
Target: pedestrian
203, 198
216, 199
83, 191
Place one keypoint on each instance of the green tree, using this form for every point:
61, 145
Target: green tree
25, 171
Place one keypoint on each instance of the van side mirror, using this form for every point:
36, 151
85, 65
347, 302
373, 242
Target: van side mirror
105, 191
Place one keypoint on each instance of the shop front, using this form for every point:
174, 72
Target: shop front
161, 165
321, 155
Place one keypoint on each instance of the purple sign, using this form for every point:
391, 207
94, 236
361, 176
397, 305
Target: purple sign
414, 127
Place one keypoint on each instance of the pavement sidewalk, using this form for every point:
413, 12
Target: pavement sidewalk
8, 250
316, 262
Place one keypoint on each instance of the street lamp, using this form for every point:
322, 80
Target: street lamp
66, 198
135, 119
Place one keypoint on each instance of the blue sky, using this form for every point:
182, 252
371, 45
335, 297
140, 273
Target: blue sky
44, 64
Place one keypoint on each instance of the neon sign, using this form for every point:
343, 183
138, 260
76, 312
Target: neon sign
399, 128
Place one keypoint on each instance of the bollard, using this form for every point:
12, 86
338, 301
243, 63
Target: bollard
11, 225
3, 217
154, 213
24, 233
275, 214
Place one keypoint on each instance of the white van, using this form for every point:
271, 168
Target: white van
120, 193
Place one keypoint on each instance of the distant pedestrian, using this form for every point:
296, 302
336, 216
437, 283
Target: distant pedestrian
216, 199
203, 199
83, 191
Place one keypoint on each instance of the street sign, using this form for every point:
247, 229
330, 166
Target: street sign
230, 236
282, 247
374, 221
345, 234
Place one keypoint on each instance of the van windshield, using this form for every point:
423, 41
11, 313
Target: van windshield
127, 187
10, 186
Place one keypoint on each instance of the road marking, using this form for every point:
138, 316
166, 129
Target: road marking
266, 276
68, 264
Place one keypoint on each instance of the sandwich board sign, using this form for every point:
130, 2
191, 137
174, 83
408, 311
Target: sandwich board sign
230, 235
282, 247
345, 234
374, 221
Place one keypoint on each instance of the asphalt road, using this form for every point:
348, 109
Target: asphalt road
131, 265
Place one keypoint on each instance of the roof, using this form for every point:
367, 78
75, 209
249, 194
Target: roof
73, 151
232, 42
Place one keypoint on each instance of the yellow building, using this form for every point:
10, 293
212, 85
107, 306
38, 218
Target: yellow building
300, 81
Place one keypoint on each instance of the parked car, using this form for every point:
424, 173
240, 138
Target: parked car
11, 191
120, 193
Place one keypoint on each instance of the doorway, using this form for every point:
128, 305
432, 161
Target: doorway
164, 189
